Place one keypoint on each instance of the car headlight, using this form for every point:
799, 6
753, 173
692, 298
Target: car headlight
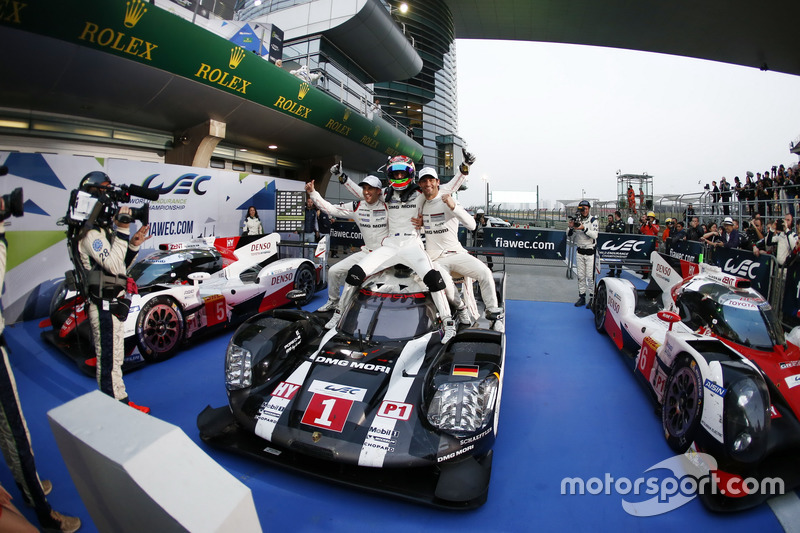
746, 419
463, 407
238, 367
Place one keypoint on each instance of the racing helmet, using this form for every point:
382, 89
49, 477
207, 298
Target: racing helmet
400, 163
93, 180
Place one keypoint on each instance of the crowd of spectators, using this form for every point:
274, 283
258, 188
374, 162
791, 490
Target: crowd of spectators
765, 203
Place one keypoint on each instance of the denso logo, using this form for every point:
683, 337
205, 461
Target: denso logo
183, 185
667, 271
745, 268
614, 305
282, 278
632, 245
259, 246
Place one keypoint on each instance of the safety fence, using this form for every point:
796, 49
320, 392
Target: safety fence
538, 247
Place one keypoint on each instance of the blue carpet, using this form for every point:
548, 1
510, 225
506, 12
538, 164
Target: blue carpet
570, 408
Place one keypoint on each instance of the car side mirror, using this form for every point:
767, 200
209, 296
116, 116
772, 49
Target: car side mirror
669, 316
199, 277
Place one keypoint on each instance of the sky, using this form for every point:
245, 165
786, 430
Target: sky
566, 118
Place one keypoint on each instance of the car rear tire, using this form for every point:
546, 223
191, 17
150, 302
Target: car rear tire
160, 329
600, 307
682, 404
305, 279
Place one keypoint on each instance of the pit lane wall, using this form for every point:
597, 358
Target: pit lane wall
193, 202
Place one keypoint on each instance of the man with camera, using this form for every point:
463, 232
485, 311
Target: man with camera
104, 252
583, 229
782, 236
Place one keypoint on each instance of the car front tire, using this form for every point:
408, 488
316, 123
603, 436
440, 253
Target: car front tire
682, 404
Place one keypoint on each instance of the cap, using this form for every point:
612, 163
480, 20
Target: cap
584, 203
372, 181
427, 172
727, 220
479, 211
749, 174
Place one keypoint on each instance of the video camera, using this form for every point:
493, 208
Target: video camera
102, 206
12, 202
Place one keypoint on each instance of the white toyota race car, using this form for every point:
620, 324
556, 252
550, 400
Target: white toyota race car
712, 355
186, 289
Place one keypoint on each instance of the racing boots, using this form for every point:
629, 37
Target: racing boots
334, 319
330, 305
581, 300
463, 315
590, 303
450, 328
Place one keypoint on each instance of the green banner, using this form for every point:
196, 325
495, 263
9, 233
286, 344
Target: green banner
142, 32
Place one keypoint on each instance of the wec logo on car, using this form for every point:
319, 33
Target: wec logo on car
744, 269
337, 390
627, 246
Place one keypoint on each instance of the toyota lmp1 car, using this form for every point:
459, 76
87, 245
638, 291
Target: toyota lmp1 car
186, 289
377, 403
711, 353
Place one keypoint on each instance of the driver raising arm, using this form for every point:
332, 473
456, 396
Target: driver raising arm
370, 215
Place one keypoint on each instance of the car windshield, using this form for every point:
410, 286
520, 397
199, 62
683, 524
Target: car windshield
388, 317
148, 273
748, 323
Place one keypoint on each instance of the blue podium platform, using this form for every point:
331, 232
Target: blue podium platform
570, 409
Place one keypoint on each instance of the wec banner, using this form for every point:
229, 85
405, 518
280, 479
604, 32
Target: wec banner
625, 247
745, 265
193, 202
528, 243
346, 233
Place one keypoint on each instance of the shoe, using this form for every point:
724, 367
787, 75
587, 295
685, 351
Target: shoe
581, 300
463, 316
47, 486
589, 303
59, 522
494, 313
330, 305
499, 325
449, 327
334, 319
145, 410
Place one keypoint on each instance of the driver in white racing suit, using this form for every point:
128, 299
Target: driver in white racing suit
440, 217
403, 244
370, 215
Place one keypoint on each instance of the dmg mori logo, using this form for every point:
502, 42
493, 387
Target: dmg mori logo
627, 246
744, 269
183, 185
134, 11
237, 54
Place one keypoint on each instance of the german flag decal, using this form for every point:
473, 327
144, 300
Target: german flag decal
465, 370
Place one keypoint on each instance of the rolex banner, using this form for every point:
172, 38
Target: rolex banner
527, 243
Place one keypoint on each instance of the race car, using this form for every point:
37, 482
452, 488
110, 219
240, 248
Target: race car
186, 289
712, 355
377, 403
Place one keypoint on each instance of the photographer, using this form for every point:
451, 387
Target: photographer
783, 238
14, 435
104, 255
583, 228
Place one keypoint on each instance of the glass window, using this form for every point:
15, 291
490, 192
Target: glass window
389, 317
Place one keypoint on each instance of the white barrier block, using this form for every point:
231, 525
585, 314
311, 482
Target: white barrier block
137, 473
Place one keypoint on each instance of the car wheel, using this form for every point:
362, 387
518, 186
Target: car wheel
600, 307
159, 329
682, 405
305, 279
